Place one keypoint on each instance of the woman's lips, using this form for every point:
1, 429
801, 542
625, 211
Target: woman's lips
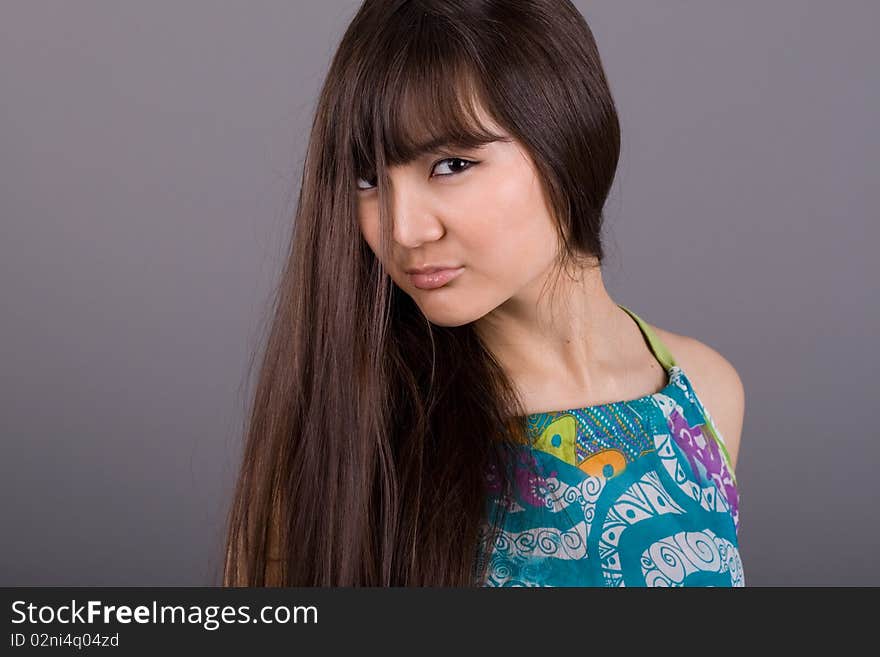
435, 279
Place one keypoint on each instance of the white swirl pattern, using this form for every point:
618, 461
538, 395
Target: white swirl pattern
669, 561
545, 541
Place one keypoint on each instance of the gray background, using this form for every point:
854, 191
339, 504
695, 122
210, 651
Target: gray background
149, 158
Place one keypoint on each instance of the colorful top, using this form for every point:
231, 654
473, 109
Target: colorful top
627, 493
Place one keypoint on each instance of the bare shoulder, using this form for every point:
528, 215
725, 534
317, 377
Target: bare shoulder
716, 382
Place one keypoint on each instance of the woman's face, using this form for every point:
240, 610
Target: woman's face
481, 210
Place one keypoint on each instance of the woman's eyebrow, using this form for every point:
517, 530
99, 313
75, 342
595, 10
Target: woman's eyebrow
431, 144
440, 145
435, 147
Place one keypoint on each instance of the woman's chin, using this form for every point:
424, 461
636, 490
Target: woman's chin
445, 315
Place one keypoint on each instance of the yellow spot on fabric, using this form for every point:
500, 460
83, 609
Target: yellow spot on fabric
558, 438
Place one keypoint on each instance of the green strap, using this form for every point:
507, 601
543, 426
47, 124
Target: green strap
665, 357
660, 351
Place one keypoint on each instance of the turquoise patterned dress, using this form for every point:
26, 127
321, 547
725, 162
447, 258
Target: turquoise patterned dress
628, 493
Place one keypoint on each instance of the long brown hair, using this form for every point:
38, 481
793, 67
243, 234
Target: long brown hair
376, 438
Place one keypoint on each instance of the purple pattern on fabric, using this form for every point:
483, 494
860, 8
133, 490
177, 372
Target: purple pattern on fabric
532, 487
705, 458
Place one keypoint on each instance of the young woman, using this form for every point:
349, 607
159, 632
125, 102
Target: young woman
448, 394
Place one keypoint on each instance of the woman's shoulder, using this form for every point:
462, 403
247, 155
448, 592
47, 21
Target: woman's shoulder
716, 382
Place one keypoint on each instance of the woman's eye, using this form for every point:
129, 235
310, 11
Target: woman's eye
467, 164
368, 187
458, 165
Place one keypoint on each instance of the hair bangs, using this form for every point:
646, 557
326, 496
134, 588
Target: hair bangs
430, 97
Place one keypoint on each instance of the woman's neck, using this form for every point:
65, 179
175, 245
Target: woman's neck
571, 348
